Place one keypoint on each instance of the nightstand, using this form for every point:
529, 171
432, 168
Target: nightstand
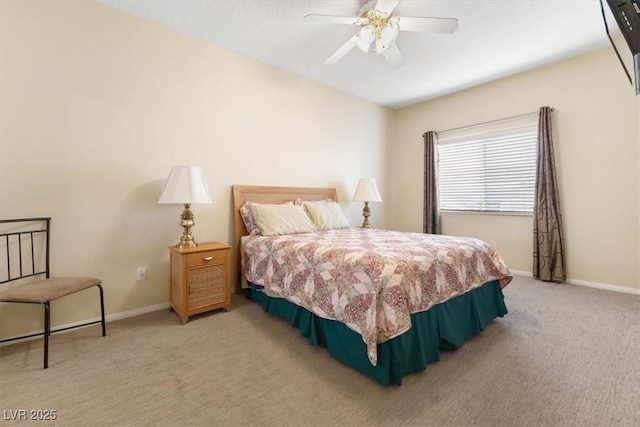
200, 279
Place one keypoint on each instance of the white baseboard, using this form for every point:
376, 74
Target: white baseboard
135, 312
521, 273
587, 284
108, 318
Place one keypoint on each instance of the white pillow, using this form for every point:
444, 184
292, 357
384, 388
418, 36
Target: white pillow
326, 215
281, 219
247, 218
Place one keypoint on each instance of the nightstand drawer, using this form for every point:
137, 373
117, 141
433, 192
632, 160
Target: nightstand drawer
206, 258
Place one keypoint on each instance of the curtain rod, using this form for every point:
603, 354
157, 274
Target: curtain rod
518, 116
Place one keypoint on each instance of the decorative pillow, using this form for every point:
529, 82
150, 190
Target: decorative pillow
326, 215
280, 219
247, 218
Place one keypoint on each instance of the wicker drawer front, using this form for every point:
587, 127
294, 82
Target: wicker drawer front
206, 285
206, 258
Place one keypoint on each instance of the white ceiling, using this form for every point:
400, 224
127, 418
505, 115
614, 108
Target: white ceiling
494, 39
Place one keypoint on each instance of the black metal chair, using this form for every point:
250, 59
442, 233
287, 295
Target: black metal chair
26, 245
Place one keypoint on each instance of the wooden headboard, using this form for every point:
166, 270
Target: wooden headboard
262, 194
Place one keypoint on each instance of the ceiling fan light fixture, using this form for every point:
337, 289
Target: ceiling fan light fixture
364, 46
367, 36
381, 46
387, 36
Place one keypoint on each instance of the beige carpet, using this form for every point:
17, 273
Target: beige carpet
564, 355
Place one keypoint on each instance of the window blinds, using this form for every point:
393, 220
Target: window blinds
488, 171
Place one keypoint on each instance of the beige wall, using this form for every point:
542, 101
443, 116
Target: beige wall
97, 105
596, 141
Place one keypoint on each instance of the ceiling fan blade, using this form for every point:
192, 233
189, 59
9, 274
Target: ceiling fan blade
433, 25
386, 6
393, 56
331, 19
342, 50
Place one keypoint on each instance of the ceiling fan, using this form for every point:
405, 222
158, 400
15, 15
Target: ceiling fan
379, 29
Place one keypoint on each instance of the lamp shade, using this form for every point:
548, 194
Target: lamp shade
367, 191
185, 184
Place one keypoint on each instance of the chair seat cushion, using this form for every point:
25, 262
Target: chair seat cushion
45, 290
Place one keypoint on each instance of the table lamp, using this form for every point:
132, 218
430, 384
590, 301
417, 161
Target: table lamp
366, 192
185, 185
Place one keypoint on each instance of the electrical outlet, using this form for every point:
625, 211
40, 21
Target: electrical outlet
141, 273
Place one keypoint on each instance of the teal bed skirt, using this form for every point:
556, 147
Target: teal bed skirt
445, 325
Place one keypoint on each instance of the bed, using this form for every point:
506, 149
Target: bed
383, 302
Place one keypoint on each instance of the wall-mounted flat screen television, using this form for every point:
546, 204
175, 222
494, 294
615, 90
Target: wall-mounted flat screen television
622, 23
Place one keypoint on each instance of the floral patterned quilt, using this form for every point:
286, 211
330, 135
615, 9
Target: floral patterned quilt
370, 280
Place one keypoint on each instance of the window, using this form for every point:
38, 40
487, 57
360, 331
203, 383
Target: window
488, 170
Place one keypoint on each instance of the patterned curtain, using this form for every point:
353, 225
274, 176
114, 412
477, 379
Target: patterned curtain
548, 237
431, 215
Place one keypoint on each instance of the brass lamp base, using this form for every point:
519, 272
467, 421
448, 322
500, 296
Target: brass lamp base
366, 213
186, 222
